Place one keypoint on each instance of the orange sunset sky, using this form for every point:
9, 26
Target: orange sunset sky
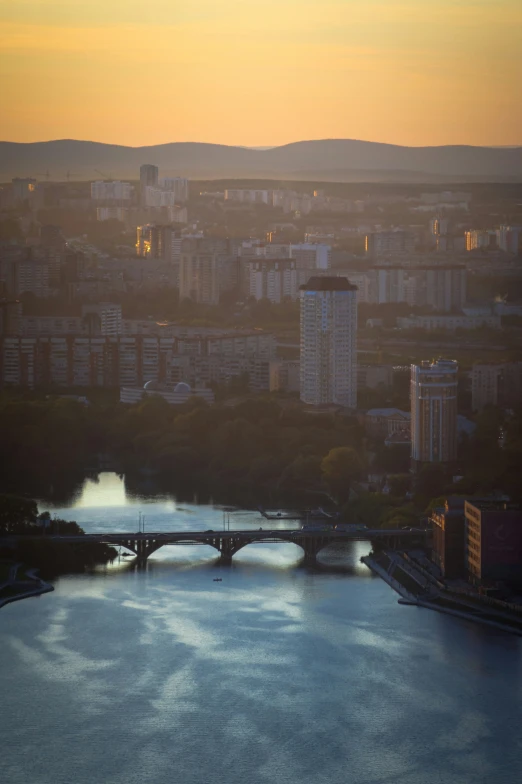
262, 72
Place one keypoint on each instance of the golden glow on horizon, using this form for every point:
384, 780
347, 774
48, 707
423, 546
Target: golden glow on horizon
262, 72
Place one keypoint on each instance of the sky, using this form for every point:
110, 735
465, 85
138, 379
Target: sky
262, 72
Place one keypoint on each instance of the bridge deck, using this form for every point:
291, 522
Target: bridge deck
193, 537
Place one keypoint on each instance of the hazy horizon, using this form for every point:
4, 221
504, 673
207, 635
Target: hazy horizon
394, 71
260, 147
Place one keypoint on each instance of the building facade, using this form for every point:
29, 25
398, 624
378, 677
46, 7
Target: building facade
442, 287
433, 396
111, 190
450, 323
273, 279
448, 538
285, 375
485, 385
112, 213
328, 324
509, 238
199, 277
480, 238
248, 195
389, 243
496, 385
66, 360
311, 256
493, 542
179, 186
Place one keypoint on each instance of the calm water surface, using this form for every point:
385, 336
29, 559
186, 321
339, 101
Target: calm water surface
279, 673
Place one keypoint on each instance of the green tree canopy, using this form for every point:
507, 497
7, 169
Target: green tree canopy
339, 468
17, 514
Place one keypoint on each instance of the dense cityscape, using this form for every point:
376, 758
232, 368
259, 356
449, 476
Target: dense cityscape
381, 312
261, 392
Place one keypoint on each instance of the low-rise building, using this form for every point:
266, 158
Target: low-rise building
450, 323
112, 213
382, 422
175, 396
248, 195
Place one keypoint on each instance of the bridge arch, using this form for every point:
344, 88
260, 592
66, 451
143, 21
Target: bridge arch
233, 547
157, 544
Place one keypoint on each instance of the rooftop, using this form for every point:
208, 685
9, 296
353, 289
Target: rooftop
385, 412
495, 505
328, 283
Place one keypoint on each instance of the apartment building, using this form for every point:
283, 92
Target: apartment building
493, 541
433, 395
111, 190
328, 324
273, 279
66, 360
389, 243
199, 277
496, 385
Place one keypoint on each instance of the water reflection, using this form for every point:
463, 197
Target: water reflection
106, 505
274, 675
279, 673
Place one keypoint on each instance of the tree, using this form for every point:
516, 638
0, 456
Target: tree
368, 509
17, 514
430, 482
400, 517
339, 468
399, 484
303, 472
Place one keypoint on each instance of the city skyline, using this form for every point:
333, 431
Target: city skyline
439, 75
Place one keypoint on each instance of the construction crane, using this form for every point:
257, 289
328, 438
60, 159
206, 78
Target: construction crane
47, 174
104, 174
69, 174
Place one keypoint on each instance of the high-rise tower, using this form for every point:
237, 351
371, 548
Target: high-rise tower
328, 341
434, 411
148, 178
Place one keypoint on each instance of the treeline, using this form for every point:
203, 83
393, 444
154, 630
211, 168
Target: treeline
261, 451
34, 547
257, 450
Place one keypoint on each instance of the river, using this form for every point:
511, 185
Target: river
278, 674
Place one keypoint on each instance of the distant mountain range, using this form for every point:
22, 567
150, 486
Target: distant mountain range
343, 160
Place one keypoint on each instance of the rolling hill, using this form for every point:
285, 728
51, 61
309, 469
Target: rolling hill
328, 159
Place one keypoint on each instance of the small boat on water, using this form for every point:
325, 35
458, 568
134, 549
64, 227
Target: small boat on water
218, 579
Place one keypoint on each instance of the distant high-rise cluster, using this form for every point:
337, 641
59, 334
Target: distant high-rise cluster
506, 238
154, 199
165, 192
112, 190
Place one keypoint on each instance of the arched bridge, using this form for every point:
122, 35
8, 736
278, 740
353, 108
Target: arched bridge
228, 543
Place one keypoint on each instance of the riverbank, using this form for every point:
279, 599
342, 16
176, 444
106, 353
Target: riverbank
419, 589
20, 583
52, 558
